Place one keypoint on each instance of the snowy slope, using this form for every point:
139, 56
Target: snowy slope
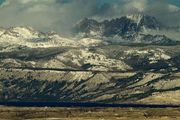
26, 36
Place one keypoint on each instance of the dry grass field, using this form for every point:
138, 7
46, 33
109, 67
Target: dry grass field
14, 113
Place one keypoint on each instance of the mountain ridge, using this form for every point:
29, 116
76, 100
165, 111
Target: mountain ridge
127, 29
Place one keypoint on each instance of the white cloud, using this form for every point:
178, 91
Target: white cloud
135, 5
173, 8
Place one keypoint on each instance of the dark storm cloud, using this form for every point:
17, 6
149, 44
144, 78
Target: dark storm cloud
61, 15
166, 13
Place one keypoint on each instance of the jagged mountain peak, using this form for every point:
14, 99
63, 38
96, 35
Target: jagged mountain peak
145, 21
86, 22
129, 28
135, 17
87, 25
118, 26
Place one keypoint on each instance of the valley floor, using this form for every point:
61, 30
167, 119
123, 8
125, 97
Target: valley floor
14, 113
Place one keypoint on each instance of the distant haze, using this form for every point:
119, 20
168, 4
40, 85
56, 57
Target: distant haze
61, 15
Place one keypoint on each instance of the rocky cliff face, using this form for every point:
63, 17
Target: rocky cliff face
126, 29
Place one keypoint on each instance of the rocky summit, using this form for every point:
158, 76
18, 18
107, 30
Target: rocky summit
126, 29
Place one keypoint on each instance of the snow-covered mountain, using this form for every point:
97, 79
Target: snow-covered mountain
127, 29
26, 36
88, 32
91, 67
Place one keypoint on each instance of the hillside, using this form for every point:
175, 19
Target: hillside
100, 67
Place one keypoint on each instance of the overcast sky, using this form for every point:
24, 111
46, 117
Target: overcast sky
61, 15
